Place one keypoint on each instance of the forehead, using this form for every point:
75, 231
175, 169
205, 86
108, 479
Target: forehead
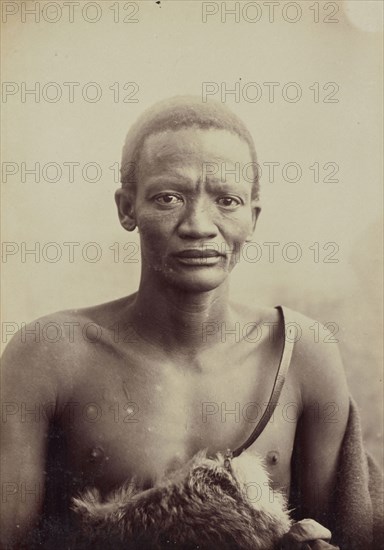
192, 147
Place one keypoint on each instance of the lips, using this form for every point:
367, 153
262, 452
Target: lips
198, 253
198, 257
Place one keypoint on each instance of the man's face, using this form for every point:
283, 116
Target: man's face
193, 205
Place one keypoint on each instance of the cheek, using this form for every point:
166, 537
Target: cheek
237, 229
155, 227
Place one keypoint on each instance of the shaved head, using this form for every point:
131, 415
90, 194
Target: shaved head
174, 114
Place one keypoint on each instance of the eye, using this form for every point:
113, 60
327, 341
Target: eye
229, 202
168, 199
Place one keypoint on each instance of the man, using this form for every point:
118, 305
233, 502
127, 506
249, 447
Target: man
118, 407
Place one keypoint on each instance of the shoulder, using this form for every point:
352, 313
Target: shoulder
58, 346
258, 315
64, 331
316, 362
43, 352
37, 337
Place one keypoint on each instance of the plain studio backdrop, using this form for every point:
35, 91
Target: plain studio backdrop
305, 78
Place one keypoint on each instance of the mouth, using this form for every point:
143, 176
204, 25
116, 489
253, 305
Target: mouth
195, 256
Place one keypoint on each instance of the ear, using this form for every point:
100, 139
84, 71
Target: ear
256, 209
125, 201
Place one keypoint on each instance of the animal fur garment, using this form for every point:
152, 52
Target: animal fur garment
204, 505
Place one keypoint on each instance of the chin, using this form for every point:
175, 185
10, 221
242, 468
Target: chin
197, 280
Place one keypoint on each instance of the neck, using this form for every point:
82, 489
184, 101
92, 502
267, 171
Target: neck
176, 319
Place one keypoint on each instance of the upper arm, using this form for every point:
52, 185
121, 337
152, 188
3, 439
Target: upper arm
28, 403
325, 402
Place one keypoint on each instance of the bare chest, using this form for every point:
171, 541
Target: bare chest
139, 423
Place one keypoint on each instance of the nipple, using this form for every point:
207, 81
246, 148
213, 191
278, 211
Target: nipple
273, 458
97, 454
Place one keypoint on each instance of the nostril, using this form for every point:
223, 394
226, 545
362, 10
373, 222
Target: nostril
197, 227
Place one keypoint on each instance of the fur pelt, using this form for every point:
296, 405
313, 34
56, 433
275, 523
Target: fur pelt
204, 505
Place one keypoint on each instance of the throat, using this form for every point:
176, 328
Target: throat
179, 321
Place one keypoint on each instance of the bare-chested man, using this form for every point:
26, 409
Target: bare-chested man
118, 407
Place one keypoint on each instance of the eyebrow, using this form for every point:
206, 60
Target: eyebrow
187, 185
173, 178
176, 178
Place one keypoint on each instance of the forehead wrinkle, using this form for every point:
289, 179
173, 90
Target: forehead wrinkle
169, 152
174, 179
223, 178
187, 174
192, 179
166, 156
173, 163
175, 149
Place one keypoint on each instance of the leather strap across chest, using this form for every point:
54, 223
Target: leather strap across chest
277, 387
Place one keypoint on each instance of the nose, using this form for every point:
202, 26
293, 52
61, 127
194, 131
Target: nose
197, 222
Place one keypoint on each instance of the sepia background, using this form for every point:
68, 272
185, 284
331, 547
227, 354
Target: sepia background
332, 54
